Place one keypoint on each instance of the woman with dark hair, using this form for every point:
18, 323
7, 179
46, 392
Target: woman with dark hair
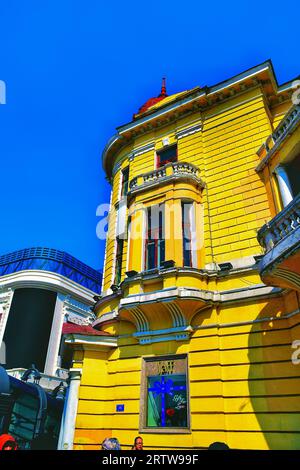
138, 443
7, 442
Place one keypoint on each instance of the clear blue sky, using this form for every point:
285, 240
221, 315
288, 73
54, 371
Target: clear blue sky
75, 70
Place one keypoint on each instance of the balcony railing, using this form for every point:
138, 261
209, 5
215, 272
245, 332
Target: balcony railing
283, 128
281, 226
177, 170
274, 141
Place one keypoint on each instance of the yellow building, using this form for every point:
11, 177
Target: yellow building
192, 346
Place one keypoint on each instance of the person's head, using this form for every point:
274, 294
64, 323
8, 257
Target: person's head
111, 443
7, 442
9, 445
218, 446
138, 443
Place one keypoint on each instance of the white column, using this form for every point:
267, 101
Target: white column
67, 430
284, 185
55, 336
6, 297
192, 216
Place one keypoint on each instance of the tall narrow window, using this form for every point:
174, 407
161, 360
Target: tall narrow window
125, 181
119, 255
155, 240
167, 155
186, 209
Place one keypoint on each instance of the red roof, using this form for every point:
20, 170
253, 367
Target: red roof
71, 328
151, 101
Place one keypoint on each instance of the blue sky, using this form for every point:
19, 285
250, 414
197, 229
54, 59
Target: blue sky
76, 70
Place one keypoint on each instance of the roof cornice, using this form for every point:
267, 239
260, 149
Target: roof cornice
146, 121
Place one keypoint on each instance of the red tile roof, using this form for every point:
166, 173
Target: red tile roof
71, 328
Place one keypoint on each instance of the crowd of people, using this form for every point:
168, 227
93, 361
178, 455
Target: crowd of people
8, 442
112, 443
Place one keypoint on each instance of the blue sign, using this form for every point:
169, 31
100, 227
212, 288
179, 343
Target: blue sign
120, 407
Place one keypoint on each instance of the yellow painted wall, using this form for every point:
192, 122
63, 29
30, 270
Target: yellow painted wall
244, 388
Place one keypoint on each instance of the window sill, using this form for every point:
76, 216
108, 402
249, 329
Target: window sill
165, 431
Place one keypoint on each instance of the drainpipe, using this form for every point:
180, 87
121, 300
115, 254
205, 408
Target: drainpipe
67, 430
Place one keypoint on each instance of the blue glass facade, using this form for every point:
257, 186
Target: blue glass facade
48, 259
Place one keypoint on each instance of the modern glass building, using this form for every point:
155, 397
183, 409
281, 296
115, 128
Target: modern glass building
42, 293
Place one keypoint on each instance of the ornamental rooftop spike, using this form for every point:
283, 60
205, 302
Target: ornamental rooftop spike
152, 101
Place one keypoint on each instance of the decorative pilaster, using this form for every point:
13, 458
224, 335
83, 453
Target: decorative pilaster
6, 297
69, 310
67, 430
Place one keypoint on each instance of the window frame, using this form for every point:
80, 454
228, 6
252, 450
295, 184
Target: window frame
124, 182
165, 149
155, 237
119, 260
186, 229
144, 396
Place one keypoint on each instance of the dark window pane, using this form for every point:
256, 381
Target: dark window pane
186, 234
166, 156
161, 251
119, 256
125, 181
151, 261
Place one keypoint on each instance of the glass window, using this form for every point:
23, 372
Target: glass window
186, 208
125, 181
119, 256
165, 394
167, 155
155, 241
293, 170
167, 401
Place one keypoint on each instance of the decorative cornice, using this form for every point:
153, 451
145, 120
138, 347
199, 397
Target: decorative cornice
140, 151
206, 296
92, 342
170, 334
261, 75
106, 317
46, 280
188, 131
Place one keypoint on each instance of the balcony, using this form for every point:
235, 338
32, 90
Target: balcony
275, 141
172, 172
280, 239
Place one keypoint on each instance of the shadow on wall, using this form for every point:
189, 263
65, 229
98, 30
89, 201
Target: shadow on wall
274, 381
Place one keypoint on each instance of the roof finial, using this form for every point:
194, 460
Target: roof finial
163, 88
